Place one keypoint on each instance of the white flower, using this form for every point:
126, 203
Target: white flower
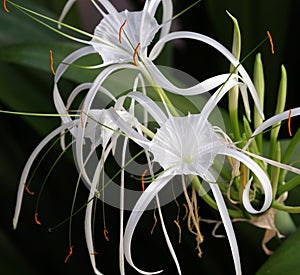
188, 146
122, 40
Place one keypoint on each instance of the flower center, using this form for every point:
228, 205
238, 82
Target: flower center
125, 34
188, 144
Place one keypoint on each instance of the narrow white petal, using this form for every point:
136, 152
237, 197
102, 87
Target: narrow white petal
203, 87
121, 245
149, 105
89, 209
59, 104
141, 205
108, 6
88, 218
166, 22
80, 134
272, 121
65, 10
126, 129
217, 96
29, 163
221, 49
262, 177
167, 236
228, 227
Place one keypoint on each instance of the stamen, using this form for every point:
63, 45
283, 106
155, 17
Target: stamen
94, 253
142, 179
289, 123
179, 228
121, 31
105, 234
81, 116
5, 7
135, 54
186, 211
271, 42
70, 254
36, 219
27, 189
51, 62
155, 221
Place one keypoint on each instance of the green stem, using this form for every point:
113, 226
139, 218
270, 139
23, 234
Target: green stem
289, 209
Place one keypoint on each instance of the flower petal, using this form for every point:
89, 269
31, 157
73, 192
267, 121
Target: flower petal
29, 163
272, 121
141, 205
228, 226
221, 49
262, 177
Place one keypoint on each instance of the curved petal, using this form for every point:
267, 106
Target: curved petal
29, 163
127, 130
88, 217
217, 96
167, 236
221, 49
108, 6
65, 10
203, 87
228, 226
89, 208
262, 177
166, 18
80, 134
58, 102
272, 121
141, 205
149, 105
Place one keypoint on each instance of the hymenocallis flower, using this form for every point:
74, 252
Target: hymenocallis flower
188, 146
122, 40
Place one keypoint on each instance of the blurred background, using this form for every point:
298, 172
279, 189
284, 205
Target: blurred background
26, 85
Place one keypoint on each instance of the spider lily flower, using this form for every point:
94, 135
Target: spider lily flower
122, 40
188, 146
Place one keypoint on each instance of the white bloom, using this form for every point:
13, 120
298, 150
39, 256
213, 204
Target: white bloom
122, 40
188, 146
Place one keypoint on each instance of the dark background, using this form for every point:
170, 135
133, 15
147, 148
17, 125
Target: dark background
25, 86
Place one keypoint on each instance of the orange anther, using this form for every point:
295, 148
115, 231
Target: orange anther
69, 254
289, 123
94, 253
142, 179
135, 54
51, 63
27, 189
5, 7
121, 30
105, 234
36, 219
271, 42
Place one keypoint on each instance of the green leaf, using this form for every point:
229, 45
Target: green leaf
285, 260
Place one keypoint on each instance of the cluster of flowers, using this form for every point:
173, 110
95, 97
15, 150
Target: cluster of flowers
182, 144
